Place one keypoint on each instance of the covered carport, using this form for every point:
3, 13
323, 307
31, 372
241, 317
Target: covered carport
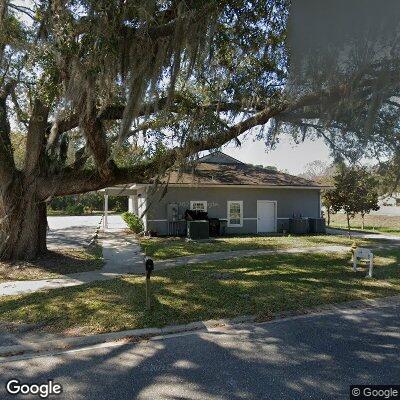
123, 190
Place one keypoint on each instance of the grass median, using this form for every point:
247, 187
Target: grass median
259, 285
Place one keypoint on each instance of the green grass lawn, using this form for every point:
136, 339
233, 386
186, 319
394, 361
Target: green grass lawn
373, 223
369, 229
257, 285
54, 264
171, 247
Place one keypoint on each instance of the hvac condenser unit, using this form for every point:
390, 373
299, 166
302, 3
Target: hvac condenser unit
197, 230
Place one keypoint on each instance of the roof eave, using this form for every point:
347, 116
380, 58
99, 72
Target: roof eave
266, 186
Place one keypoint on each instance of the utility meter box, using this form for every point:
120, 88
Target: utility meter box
172, 211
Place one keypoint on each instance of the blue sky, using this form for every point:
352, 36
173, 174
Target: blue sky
287, 155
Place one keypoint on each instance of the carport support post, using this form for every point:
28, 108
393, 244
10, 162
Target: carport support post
132, 204
105, 222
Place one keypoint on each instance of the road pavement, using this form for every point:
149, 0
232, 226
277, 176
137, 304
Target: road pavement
311, 357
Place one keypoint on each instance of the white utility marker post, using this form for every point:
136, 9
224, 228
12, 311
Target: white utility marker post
105, 221
363, 254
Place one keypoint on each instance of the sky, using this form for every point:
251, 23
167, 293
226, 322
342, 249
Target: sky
287, 156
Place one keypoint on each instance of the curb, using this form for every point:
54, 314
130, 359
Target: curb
147, 333
95, 235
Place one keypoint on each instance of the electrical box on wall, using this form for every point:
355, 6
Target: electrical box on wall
172, 211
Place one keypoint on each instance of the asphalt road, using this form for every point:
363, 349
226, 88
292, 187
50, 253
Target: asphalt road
312, 357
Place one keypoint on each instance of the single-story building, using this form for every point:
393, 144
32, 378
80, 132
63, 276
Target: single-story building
392, 200
251, 199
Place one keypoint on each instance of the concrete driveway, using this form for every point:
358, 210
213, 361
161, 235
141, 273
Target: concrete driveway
122, 255
312, 357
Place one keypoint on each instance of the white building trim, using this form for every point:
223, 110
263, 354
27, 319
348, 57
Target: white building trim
240, 202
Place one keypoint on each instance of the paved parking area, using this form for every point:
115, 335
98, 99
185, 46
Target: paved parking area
76, 231
71, 231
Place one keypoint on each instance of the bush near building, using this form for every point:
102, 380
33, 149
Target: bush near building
133, 221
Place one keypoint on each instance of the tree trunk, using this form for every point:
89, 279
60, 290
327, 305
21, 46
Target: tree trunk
328, 212
362, 221
348, 224
24, 226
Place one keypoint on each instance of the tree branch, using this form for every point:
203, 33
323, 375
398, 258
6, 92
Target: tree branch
115, 112
7, 164
73, 181
36, 136
98, 146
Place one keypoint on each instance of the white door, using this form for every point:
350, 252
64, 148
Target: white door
266, 216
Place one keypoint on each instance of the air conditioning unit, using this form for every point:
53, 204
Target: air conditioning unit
198, 230
317, 225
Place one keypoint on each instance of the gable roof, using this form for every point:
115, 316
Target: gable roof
220, 169
218, 157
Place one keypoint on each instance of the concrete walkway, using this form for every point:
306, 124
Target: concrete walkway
226, 255
120, 255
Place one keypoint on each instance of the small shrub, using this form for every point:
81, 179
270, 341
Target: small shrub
118, 208
88, 210
133, 221
74, 209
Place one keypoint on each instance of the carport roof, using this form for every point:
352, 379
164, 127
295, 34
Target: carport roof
119, 190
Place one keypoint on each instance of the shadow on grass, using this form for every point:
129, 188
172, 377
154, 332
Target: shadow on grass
223, 289
172, 247
53, 263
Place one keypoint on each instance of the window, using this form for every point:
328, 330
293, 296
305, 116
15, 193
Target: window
198, 205
235, 213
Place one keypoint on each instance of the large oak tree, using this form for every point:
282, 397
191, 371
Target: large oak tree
84, 81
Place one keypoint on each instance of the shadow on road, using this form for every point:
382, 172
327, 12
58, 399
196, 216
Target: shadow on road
316, 357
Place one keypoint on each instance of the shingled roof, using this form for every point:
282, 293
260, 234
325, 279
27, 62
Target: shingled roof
220, 169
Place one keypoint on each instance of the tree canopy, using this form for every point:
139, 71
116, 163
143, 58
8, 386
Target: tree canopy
108, 92
355, 192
